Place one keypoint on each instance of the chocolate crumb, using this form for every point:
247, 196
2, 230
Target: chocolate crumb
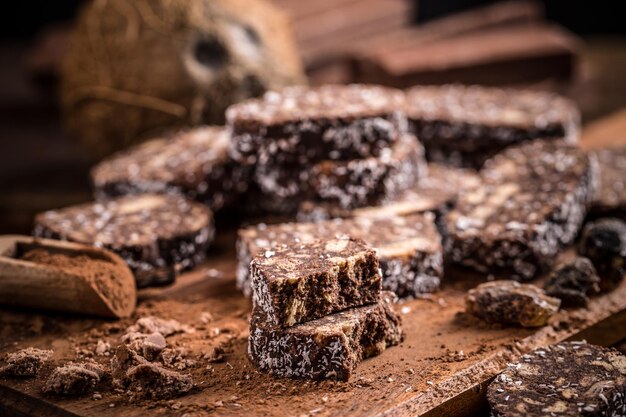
510, 302
149, 380
572, 282
74, 379
604, 243
25, 363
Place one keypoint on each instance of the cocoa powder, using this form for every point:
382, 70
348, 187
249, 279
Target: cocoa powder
102, 274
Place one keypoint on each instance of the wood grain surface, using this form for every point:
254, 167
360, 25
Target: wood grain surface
441, 369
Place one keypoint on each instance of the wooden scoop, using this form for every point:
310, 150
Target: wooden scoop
43, 286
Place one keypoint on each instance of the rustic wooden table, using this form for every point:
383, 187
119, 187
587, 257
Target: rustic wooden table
442, 368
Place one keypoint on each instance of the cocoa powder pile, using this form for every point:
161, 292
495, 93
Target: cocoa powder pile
102, 274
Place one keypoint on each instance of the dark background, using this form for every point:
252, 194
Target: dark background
41, 169
27, 17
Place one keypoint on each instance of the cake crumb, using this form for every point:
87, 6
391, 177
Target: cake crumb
25, 363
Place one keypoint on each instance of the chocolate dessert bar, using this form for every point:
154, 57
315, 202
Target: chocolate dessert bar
465, 125
532, 201
567, 379
157, 235
327, 348
409, 248
194, 163
510, 302
604, 243
301, 125
435, 192
610, 200
299, 282
348, 184
573, 282
506, 55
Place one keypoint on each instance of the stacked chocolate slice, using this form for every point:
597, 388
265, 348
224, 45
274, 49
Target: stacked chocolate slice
409, 247
466, 125
192, 162
347, 145
318, 309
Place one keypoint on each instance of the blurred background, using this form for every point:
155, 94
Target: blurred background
574, 49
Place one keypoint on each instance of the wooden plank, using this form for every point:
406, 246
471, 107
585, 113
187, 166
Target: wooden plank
440, 369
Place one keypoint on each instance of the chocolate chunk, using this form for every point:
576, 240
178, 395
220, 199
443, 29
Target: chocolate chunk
74, 379
435, 192
572, 282
348, 184
301, 125
143, 379
409, 248
510, 302
568, 379
25, 363
157, 235
465, 125
194, 163
124, 358
327, 348
152, 381
610, 200
532, 202
604, 243
299, 281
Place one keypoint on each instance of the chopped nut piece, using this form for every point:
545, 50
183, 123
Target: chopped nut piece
510, 302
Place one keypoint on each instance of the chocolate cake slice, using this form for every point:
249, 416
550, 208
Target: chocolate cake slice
303, 125
299, 282
328, 348
435, 192
465, 125
194, 163
567, 379
409, 248
532, 201
610, 200
348, 184
157, 235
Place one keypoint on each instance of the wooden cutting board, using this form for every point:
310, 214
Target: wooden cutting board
441, 369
